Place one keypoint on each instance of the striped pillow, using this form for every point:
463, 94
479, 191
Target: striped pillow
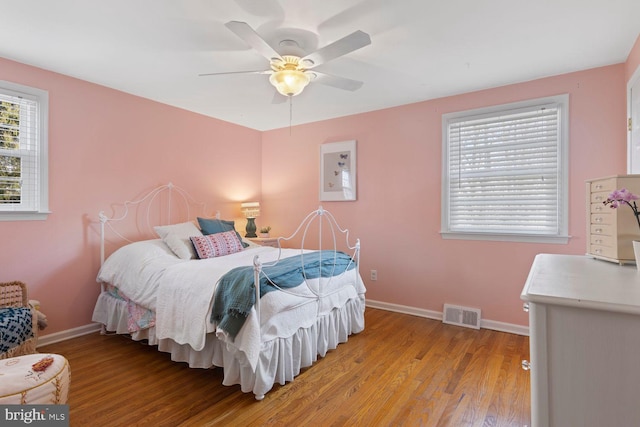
215, 245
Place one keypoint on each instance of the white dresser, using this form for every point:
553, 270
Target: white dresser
584, 322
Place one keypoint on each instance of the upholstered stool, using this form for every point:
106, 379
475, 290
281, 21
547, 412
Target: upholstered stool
34, 379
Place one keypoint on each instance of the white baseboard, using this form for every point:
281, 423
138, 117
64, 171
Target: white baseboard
68, 334
437, 315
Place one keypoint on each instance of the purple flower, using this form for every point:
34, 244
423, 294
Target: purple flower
623, 197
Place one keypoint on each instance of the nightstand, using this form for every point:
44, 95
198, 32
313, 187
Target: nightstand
265, 241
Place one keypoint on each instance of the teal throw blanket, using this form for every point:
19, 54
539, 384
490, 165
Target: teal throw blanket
235, 294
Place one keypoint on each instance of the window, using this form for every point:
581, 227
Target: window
23, 152
505, 172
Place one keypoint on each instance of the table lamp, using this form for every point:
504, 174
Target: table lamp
250, 210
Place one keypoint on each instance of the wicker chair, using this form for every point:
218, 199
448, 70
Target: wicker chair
14, 294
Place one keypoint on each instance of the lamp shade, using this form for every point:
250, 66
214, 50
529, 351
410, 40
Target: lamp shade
250, 209
289, 82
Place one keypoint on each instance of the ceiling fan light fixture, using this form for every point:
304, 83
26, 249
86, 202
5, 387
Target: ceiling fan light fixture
289, 82
291, 73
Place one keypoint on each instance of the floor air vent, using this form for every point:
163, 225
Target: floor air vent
461, 316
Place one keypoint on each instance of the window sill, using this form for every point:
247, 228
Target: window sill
24, 216
497, 237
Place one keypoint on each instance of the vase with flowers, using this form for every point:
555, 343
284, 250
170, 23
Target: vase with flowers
625, 197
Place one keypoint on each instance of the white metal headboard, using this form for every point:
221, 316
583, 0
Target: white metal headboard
184, 200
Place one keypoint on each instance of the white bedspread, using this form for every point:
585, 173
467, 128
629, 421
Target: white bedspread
136, 270
181, 294
185, 296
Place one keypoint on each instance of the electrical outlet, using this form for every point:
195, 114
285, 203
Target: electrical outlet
374, 275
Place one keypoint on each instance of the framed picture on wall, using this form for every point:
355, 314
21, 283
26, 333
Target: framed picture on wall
338, 171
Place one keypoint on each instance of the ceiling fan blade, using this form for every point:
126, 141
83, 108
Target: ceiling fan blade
236, 72
354, 41
253, 39
336, 81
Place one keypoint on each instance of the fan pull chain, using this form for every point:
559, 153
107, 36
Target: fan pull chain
290, 113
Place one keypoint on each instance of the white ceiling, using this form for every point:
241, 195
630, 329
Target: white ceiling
421, 49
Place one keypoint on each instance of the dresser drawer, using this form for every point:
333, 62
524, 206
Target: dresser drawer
606, 230
606, 185
605, 251
600, 208
602, 240
602, 218
600, 197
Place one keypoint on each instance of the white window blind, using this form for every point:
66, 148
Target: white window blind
23, 152
505, 171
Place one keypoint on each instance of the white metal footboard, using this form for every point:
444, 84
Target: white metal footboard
320, 218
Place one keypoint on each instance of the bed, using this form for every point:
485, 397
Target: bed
214, 299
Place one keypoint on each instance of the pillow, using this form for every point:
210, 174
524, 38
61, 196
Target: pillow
176, 236
214, 226
218, 244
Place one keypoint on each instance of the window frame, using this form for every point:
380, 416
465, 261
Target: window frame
562, 236
41, 97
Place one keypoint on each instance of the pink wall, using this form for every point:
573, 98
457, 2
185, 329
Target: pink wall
397, 214
107, 146
633, 61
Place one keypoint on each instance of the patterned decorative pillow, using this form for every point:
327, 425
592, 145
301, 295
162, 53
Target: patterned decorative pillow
215, 245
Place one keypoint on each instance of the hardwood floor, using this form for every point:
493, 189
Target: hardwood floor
401, 370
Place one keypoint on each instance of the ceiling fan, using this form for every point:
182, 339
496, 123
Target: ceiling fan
290, 74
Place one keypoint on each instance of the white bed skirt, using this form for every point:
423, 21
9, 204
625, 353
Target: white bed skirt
280, 359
